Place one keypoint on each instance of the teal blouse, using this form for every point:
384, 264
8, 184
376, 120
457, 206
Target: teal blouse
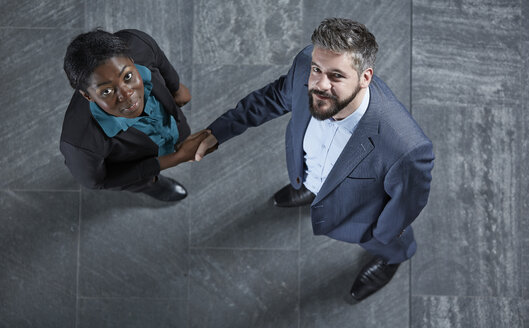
155, 122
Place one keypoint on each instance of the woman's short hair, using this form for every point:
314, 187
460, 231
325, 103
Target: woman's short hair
89, 50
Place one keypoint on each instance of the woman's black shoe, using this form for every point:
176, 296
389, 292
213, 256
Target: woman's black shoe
165, 189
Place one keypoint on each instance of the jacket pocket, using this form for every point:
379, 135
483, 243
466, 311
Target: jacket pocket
362, 179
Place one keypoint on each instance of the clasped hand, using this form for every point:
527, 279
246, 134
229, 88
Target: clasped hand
193, 148
196, 146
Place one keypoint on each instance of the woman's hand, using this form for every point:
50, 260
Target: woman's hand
186, 151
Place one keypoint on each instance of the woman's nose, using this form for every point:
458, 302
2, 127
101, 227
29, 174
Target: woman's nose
124, 93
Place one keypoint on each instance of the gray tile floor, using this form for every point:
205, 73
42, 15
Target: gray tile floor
225, 257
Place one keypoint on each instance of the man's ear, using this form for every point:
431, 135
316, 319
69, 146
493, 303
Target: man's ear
366, 77
85, 95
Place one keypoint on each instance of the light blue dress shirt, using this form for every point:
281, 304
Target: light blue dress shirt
323, 143
155, 122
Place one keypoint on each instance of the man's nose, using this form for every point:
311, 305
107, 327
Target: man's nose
323, 83
124, 93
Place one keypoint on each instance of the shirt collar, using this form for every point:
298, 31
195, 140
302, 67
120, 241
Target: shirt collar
349, 123
112, 125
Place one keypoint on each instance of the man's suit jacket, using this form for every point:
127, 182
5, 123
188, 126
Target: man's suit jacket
381, 180
129, 159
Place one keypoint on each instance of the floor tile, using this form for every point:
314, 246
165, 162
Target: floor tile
238, 180
27, 13
246, 32
328, 269
132, 246
38, 271
466, 312
37, 99
467, 234
169, 22
131, 313
243, 288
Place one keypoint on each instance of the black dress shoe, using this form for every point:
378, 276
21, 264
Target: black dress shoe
373, 276
290, 197
165, 189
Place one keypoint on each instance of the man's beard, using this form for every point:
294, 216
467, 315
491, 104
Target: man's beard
335, 105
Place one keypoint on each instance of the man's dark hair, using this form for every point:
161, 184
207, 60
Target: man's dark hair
343, 35
89, 50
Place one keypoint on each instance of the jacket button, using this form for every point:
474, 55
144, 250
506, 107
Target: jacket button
298, 180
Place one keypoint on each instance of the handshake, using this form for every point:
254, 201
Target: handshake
194, 148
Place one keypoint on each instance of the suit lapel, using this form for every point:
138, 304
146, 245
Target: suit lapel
302, 116
357, 148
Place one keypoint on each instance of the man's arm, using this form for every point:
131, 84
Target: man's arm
260, 106
408, 185
255, 109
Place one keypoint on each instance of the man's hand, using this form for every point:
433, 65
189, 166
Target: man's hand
186, 151
208, 145
188, 148
182, 96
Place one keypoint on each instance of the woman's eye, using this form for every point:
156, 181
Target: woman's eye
106, 92
315, 70
128, 76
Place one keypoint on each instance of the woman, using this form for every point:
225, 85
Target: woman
124, 121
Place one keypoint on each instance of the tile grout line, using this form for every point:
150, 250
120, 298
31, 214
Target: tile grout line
524, 97
77, 297
131, 298
411, 57
188, 258
411, 113
41, 190
410, 295
191, 170
299, 267
40, 28
243, 249
299, 212
182, 299
483, 297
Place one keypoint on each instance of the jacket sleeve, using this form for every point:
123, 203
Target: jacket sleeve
260, 106
92, 171
408, 185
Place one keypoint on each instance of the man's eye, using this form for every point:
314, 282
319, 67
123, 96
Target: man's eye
337, 76
128, 77
315, 69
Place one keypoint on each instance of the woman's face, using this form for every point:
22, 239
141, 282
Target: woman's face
116, 86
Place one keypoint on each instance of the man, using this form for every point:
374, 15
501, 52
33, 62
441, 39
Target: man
354, 153
124, 120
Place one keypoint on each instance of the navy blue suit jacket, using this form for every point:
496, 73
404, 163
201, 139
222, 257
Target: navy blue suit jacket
381, 181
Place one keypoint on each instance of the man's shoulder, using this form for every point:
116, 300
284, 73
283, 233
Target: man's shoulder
301, 66
305, 55
397, 125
